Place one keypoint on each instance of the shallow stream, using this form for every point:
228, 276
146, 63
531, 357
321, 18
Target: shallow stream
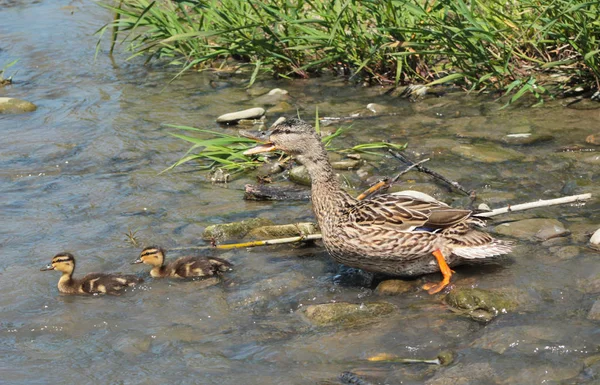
83, 170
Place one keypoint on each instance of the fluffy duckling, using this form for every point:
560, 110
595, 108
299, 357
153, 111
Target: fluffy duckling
184, 267
93, 283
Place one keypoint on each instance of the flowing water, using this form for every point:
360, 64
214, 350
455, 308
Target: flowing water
82, 170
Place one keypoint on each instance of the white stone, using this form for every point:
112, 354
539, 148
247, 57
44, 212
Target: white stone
251, 113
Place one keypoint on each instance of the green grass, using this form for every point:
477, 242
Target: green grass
507, 46
223, 151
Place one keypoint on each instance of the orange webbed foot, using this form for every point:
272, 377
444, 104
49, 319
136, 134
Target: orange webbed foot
433, 288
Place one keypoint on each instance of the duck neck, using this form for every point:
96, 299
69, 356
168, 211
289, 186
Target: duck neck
327, 196
158, 271
66, 282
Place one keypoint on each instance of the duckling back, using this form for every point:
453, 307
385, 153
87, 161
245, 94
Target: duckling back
113, 284
197, 266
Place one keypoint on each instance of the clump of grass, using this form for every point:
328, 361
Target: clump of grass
222, 151
7, 80
508, 46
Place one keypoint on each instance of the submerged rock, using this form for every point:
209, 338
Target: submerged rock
536, 228
348, 164
15, 106
477, 304
526, 139
394, 287
234, 117
234, 230
346, 314
487, 153
284, 231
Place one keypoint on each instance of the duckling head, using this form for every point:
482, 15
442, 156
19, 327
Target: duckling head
63, 262
152, 255
293, 136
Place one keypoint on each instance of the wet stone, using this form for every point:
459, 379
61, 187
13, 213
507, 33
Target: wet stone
536, 228
487, 153
257, 91
565, 252
477, 304
233, 117
594, 313
235, 230
526, 139
300, 175
346, 314
394, 287
523, 339
280, 107
465, 374
15, 106
283, 231
595, 240
349, 164
377, 108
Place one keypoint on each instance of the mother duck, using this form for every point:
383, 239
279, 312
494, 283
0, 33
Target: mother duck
393, 234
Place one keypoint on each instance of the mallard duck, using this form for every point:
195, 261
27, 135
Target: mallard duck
93, 283
184, 267
392, 234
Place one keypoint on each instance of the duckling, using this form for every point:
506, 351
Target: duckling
184, 267
93, 283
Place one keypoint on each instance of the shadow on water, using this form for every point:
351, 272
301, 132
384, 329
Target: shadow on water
82, 170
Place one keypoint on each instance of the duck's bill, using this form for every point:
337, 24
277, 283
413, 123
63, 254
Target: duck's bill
267, 147
136, 261
261, 137
48, 267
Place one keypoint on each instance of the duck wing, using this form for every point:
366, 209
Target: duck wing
196, 266
405, 213
100, 283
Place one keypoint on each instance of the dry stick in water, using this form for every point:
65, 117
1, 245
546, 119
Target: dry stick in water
424, 169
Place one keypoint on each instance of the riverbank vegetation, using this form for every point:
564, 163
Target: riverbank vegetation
542, 48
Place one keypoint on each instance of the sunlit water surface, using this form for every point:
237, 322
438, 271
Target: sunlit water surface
82, 170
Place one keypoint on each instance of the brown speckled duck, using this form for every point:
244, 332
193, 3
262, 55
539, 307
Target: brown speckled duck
184, 267
93, 283
393, 234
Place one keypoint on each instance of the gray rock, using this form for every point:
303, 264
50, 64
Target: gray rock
566, 252
15, 106
300, 175
235, 230
537, 228
233, 117
346, 314
465, 374
594, 313
530, 338
487, 153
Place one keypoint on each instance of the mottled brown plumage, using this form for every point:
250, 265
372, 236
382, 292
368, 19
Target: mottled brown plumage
93, 283
391, 234
184, 267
